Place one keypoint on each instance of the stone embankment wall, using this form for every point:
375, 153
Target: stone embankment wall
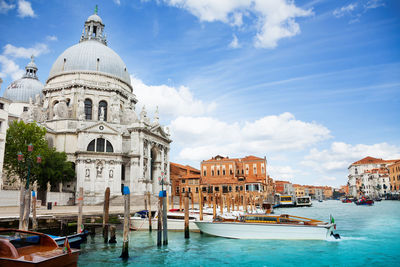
11, 198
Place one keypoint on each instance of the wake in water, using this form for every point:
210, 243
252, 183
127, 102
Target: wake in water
345, 238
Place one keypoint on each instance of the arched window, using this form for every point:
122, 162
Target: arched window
88, 109
100, 142
103, 104
91, 145
100, 145
109, 147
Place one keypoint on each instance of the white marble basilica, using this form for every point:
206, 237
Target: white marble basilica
88, 108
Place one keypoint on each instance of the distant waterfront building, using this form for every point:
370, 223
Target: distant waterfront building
394, 173
284, 188
224, 174
88, 109
369, 176
299, 190
184, 179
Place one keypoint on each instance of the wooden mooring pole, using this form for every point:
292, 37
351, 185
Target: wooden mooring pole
113, 239
221, 207
214, 207
80, 203
34, 221
159, 222
106, 209
201, 204
187, 215
149, 210
27, 211
21, 206
125, 244
164, 217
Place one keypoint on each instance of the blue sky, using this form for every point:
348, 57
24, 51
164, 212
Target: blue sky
313, 85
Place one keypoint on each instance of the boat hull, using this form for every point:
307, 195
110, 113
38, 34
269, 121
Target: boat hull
139, 224
266, 231
63, 260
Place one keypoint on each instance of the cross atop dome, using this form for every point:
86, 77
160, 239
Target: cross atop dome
93, 29
31, 69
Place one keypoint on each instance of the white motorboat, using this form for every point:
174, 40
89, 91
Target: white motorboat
304, 201
175, 221
257, 226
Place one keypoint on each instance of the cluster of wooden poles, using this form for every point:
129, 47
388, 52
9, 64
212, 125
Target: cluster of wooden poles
245, 201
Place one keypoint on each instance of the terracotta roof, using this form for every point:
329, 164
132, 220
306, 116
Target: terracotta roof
282, 182
221, 158
372, 160
185, 167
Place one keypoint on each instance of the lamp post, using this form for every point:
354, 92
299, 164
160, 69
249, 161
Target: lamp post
26, 201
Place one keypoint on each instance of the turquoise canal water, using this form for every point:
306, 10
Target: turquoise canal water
370, 237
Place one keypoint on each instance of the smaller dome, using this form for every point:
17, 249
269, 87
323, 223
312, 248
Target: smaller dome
31, 65
26, 87
94, 18
23, 89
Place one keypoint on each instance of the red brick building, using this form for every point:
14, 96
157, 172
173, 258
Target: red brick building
226, 175
183, 179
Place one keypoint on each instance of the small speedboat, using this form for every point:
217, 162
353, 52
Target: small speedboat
75, 240
364, 201
26, 248
175, 220
346, 200
258, 226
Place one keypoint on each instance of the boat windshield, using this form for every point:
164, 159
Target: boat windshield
19, 239
254, 218
287, 198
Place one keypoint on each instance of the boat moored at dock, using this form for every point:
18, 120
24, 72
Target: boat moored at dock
257, 226
175, 220
75, 240
25, 248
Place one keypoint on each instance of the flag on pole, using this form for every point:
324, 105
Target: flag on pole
67, 248
333, 221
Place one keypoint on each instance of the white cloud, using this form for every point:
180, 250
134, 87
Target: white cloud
281, 172
25, 9
10, 52
22, 52
374, 4
51, 38
340, 12
5, 7
340, 155
235, 42
118, 2
172, 102
275, 19
203, 137
10, 68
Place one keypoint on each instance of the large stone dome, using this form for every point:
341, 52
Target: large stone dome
92, 56
27, 87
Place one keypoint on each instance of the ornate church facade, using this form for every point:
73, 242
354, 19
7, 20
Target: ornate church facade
88, 108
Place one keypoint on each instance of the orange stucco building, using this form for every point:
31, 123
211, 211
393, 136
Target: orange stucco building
394, 175
184, 179
224, 174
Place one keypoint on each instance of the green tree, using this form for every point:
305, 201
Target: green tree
19, 135
54, 167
